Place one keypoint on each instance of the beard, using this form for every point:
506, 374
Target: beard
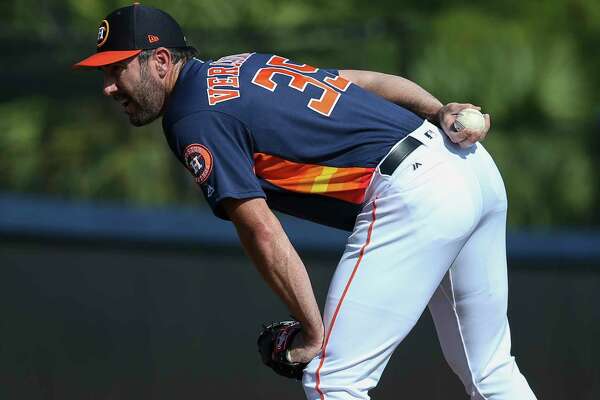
146, 99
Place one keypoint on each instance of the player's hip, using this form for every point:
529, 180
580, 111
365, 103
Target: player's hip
437, 172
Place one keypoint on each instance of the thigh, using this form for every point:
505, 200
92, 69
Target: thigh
403, 244
469, 312
469, 307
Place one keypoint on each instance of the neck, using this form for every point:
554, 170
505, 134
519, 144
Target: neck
170, 81
172, 77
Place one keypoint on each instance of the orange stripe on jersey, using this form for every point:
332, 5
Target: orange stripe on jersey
344, 183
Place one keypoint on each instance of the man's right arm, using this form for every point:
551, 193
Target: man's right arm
413, 97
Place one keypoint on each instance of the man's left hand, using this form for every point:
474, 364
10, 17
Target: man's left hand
302, 351
283, 348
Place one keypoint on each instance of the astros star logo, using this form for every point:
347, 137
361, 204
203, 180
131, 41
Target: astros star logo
196, 165
103, 31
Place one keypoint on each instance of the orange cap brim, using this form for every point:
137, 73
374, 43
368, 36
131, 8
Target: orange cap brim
106, 58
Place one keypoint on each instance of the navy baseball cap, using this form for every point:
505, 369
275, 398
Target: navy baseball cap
125, 32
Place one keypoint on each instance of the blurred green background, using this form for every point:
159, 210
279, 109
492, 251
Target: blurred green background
533, 65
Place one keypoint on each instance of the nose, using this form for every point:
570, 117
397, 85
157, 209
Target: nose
110, 86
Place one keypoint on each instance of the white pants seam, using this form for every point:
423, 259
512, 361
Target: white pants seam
462, 340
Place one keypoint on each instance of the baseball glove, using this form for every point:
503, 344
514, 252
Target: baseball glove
274, 344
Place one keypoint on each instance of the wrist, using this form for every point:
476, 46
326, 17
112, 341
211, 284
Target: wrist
313, 337
435, 115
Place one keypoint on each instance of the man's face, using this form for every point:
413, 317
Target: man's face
133, 85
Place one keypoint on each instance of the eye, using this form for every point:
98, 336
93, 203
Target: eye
114, 70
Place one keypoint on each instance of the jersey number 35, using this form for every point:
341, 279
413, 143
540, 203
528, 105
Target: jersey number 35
331, 86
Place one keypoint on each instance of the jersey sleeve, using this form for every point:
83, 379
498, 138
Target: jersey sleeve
217, 150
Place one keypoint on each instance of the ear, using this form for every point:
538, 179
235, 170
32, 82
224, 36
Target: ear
162, 58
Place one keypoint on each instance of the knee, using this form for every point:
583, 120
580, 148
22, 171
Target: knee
501, 381
334, 384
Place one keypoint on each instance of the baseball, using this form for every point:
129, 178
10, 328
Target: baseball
469, 118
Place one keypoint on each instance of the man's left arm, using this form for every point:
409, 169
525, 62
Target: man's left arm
413, 97
268, 246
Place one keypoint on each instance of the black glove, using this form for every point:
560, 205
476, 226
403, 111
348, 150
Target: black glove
274, 343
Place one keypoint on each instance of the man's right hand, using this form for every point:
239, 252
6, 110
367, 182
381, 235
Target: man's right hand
465, 137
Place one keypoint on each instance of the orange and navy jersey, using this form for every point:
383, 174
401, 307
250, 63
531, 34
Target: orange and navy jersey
260, 125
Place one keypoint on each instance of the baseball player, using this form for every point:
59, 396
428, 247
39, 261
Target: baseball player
425, 204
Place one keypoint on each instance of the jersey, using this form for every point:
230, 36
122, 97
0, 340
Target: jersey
260, 125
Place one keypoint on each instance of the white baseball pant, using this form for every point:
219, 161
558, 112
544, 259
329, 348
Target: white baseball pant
432, 234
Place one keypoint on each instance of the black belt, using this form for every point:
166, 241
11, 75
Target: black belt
396, 156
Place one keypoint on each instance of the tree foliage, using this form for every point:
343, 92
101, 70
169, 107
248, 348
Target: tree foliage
531, 65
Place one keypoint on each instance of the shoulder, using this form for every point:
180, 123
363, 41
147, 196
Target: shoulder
202, 120
189, 94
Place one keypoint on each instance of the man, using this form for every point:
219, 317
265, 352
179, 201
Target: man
427, 214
